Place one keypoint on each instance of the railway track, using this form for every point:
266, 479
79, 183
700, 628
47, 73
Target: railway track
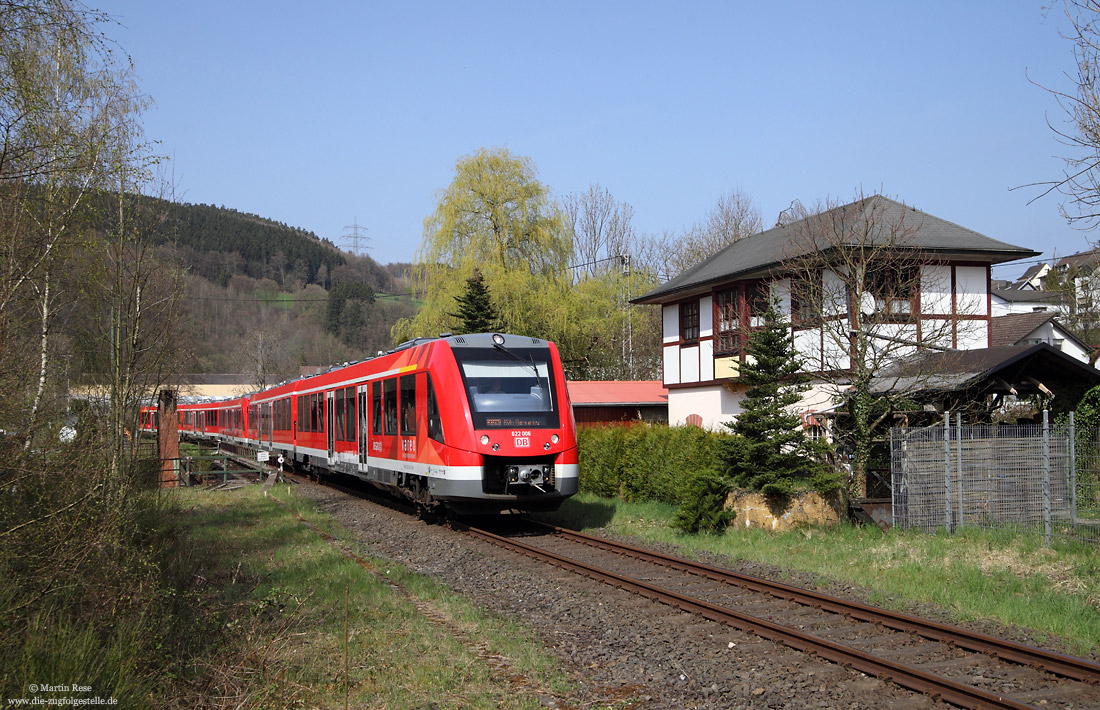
958, 666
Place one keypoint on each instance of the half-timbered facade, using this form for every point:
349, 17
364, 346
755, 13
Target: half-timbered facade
872, 279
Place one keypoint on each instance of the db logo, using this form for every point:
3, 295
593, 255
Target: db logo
522, 442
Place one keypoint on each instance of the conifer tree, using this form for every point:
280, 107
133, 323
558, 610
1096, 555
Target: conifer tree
771, 453
476, 312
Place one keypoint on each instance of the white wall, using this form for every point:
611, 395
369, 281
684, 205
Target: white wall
672, 364
689, 364
717, 405
670, 319
935, 289
714, 403
971, 288
706, 317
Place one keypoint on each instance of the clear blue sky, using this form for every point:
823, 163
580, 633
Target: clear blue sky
319, 114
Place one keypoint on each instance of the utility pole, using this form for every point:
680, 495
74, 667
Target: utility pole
355, 237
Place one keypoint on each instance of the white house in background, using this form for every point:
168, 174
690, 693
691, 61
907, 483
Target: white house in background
1006, 301
1038, 327
709, 310
1032, 279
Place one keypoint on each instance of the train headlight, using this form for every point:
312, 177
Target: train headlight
484, 439
553, 438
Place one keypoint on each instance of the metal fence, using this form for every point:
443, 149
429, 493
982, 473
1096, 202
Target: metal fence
1039, 479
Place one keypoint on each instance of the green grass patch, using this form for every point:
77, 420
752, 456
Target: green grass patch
975, 574
277, 596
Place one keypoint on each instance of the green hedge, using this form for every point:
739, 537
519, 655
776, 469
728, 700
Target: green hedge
644, 462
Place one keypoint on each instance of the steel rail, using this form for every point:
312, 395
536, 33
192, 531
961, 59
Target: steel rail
1059, 664
945, 689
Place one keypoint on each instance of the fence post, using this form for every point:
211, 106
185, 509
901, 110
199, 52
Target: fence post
1046, 476
1072, 472
947, 471
959, 521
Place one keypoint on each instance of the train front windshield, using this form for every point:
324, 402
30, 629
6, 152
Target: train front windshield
509, 388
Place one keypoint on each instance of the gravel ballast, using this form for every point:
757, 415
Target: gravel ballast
621, 650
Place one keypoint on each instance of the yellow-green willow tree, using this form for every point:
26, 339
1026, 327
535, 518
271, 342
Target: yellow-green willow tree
496, 218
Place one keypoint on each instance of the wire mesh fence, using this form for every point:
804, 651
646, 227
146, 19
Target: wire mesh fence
1039, 479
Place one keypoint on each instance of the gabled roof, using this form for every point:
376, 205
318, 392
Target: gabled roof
1034, 271
1011, 329
591, 393
1082, 260
763, 253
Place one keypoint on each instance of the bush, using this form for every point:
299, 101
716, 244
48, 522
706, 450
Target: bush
644, 462
704, 507
92, 569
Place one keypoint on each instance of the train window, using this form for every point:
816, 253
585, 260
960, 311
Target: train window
376, 408
509, 388
389, 404
313, 413
435, 425
408, 405
301, 411
338, 404
349, 415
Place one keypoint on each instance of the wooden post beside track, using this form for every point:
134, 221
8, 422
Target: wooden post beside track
168, 439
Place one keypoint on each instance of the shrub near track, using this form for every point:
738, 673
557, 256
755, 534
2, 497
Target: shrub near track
644, 462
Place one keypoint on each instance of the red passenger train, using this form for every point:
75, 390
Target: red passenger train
476, 423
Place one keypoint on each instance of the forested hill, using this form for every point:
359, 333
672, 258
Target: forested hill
218, 242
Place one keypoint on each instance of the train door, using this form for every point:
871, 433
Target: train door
363, 424
330, 426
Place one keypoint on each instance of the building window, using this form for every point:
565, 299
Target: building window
729, 323
758, 297
893, 289
689, 321
805, 303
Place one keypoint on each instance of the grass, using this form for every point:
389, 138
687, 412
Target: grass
975, 574
277, 595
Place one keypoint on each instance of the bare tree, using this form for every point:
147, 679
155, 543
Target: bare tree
856, 277
603, 235
1080, 183
733, 217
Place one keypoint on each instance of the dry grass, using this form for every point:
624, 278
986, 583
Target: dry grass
281, 592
